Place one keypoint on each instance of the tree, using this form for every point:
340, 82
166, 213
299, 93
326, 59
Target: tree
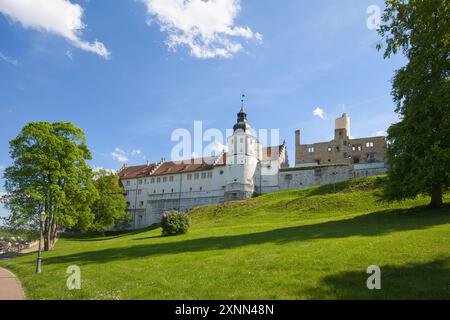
49, 173
110, 208
419, 145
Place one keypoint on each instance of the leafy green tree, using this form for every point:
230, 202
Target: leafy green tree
49, 173
110, 208
419, 145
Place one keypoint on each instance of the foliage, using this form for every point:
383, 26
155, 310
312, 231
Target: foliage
27, 234
419, 145
301, 244
175, 223
110, 207
49, 173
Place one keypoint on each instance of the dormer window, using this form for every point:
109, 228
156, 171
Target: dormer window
370, 144
311, 150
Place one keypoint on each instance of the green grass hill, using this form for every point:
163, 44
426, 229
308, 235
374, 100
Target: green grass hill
315, 243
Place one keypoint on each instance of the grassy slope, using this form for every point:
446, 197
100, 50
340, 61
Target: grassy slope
310, 243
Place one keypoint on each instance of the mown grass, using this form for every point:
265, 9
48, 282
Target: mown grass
306, 244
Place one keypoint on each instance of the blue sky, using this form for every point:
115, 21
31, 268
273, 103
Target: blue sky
129, 72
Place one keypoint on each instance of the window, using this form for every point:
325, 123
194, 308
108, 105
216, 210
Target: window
311, 149
221, 172
189, 176
330, 149
209, 175
196, 176
140, 181
190, 189
165, 179
203, 175
153, 180
172, 190
139, 192
369, 144
171, 178
201, 188
163, 191
141, 204
128, 183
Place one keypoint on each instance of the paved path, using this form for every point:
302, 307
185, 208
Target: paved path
10, 287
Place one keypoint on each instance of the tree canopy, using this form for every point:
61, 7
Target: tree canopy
110, 207
49, 173
419, 145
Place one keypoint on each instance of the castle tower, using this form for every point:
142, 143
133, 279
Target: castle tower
343, 123
242, 160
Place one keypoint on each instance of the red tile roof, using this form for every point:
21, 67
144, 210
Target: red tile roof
186, 166
167, 168
136, 171
272, 153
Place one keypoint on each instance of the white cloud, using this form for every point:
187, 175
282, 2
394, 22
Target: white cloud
119, 155
69, 54
206, 27
2, 168
56, 16
10, 60
318, 112
98, 169
380, 134
135, 153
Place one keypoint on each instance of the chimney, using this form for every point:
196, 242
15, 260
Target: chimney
297, 137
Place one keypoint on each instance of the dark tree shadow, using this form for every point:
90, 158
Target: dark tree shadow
412, 281
109, 235
373, 224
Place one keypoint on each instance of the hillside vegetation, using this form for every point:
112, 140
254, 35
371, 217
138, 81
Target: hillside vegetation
314, 243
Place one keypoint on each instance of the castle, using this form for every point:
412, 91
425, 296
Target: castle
247, 169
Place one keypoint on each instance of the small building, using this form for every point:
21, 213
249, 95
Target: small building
343, 149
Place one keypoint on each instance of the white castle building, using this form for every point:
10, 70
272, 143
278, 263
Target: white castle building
248, 169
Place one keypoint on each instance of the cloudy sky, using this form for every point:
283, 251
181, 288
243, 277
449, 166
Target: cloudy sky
130, 72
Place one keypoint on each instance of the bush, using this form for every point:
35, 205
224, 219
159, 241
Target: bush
174, 223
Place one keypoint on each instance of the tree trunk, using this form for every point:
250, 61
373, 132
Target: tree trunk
436, 196
50, 237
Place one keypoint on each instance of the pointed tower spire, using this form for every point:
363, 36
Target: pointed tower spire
242, 118
242, 102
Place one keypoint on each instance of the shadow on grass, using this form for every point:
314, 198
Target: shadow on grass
373, 224
411, 281
110, 235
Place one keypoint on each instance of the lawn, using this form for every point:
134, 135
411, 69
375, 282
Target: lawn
313, 243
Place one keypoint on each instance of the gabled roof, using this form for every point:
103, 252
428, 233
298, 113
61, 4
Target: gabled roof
167, 168
191, 165
136, 171
272, 153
